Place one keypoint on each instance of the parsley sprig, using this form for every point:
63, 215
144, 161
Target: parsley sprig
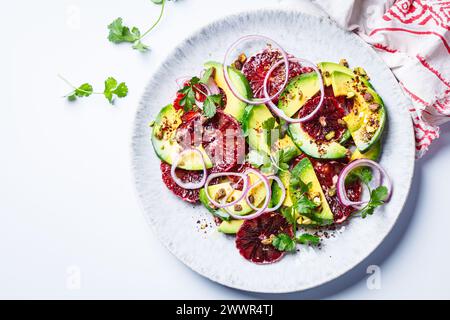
189, 90
118, 33
377, 195
284, 242
111, 90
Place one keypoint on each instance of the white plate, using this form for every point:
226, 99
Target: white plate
214, 255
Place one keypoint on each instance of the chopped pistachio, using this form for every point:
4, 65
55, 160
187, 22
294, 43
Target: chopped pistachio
360, 71
368, 97
151, 124
350, 94
343, 62
374, 106
268, 240
330, 135
332, 191
220, 194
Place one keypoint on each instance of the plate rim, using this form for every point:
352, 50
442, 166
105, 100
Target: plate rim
135, 135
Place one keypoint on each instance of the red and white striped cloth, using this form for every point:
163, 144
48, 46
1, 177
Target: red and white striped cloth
413, 38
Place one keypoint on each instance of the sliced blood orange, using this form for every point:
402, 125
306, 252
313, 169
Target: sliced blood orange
186, 176
256, 67
253, 238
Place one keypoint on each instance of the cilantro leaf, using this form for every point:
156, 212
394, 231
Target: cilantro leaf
112, 88
364, 174
307, 238
289, 214
304, 205
269, 124
85, 90
119, 33
377, 198
206, 75
209, 105
283, 242
188, 101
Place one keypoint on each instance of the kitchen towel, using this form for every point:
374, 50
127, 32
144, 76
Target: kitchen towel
413, 38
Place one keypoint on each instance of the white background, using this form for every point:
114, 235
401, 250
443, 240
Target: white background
67, 201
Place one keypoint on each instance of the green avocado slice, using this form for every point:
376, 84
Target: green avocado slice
234, 106
328, 68
298, 91
367, 118
165, 144
305, 172
230, 227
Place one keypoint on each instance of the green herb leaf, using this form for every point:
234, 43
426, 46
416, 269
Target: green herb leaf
305, 206
269, 124
206, 75
188, 101
307, 238
377, 198
85, 90
209, 105
364, 174
283, 242
119, 33
112, 88
289, 214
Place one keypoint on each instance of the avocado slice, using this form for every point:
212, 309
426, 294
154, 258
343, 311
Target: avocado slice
372, 154
285, 177
305, 172
298, 91
325, 150
253, 119
366, 124
341, 83
223, 215
166, 146
328, 68
230, 227
241, 208
234, 107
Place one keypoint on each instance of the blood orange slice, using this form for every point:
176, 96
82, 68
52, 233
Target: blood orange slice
253, 239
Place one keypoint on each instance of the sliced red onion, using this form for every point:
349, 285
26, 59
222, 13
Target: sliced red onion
280, 113
188, 185
212, 85
261, 210
206, 92
224, 204
283, 193
227, 76
383, 177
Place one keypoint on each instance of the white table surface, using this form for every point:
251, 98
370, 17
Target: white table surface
71, 225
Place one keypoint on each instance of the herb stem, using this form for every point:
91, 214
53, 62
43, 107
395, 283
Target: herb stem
156, 22
75, 88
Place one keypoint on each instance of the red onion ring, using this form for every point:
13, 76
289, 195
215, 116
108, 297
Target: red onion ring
261, 210
341, 192
230, 83
225, 174
280, 113
188, 185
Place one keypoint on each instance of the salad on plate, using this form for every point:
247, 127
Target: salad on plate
274, 146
